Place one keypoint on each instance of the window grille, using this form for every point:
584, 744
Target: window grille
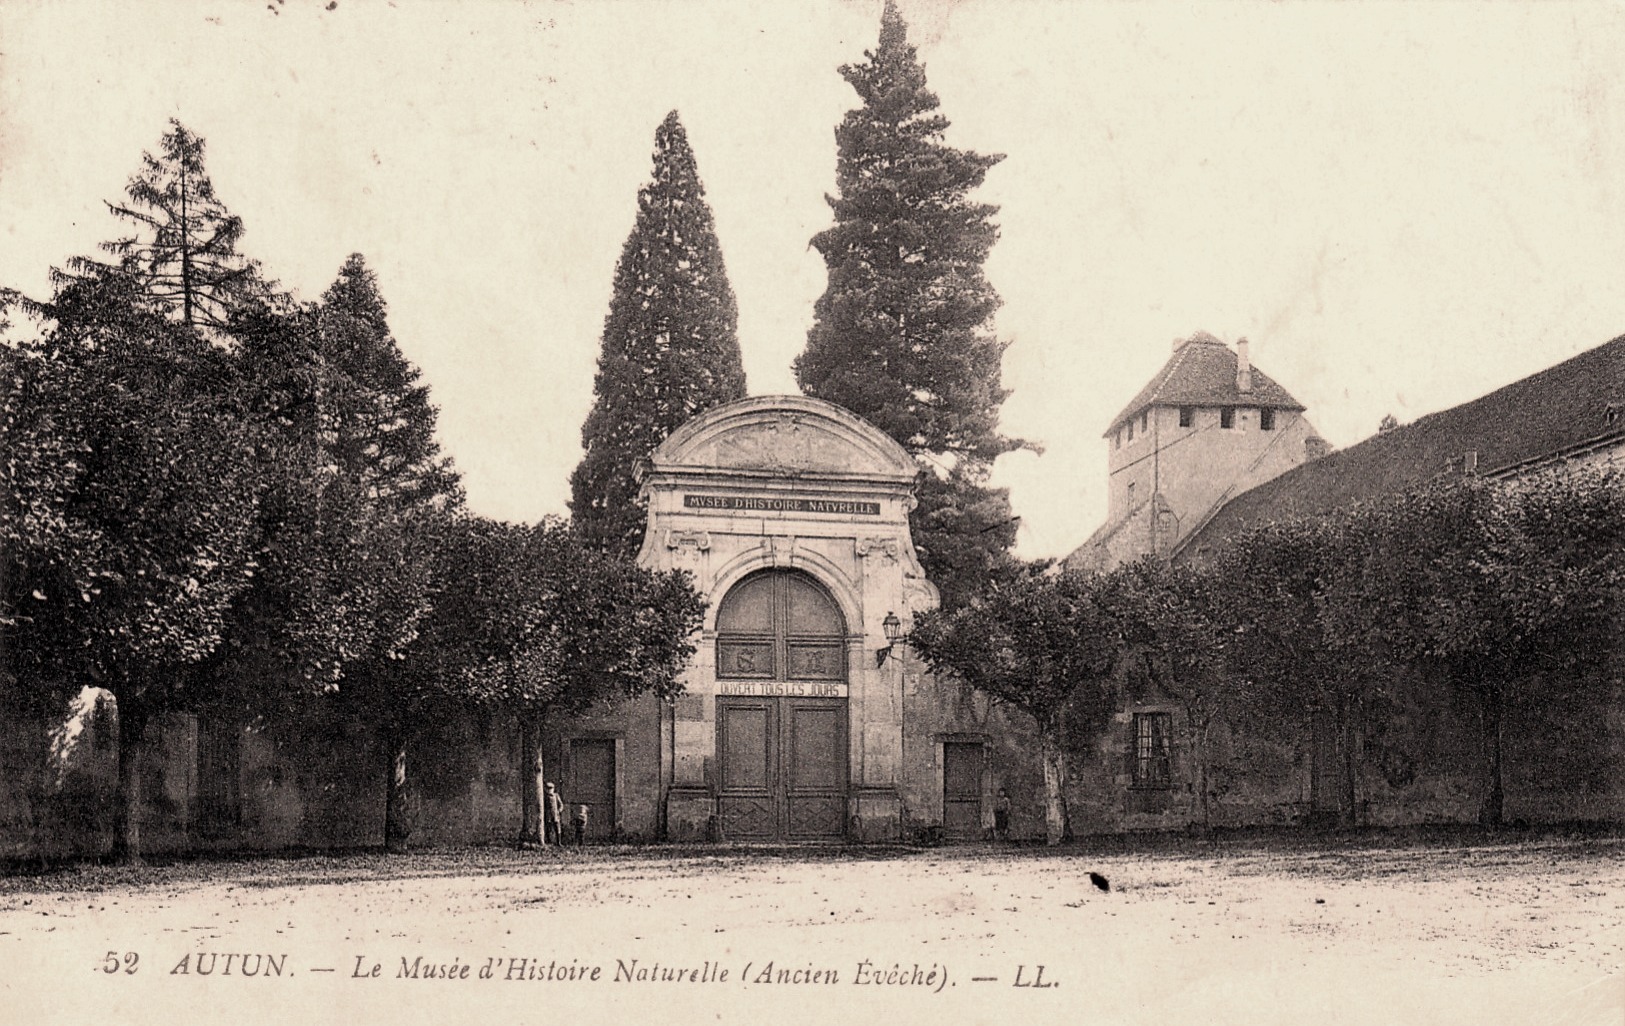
1153, 763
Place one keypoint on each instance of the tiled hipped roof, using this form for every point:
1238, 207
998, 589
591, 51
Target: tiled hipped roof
1202, 372
1561, 409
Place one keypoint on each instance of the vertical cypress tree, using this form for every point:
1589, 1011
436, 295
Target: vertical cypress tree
670, 345
902, 335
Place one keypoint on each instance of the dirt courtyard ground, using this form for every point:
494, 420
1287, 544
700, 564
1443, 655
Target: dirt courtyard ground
1527, 932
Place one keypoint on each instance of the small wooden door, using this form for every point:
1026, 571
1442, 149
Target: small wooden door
592, 783
962, 790
783, 768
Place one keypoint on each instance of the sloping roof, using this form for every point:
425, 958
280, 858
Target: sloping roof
1562, 408
1202, 372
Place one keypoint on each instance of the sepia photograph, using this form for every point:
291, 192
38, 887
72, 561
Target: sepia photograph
732, 511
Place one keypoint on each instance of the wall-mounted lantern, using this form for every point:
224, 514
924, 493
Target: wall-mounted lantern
894, 633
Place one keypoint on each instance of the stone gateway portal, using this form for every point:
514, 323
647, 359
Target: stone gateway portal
804, 715
792, 516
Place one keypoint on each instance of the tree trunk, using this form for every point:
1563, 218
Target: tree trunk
1199, 736
397, 825
1492, 797
532, 790
132, 745
1055, 819
1347, 765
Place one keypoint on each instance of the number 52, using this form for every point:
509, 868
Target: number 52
110, 964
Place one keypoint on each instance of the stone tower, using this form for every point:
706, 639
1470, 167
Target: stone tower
1207, 427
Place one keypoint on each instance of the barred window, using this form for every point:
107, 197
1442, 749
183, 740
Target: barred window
1187, 415
1153, 764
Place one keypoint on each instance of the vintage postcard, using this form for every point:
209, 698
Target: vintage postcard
907, 511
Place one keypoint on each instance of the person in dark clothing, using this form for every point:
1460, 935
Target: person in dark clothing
580, 823
552, 812
1001, 816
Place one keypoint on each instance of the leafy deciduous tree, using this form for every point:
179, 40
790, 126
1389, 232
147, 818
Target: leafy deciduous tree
1486, 585
533, 621
149, 523
1274, 581
1048, 646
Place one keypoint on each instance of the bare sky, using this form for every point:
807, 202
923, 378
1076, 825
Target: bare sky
1402, 206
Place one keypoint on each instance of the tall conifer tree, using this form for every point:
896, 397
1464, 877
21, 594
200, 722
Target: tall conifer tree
182, 248
902, 335
383, 426
359, 502
670, 344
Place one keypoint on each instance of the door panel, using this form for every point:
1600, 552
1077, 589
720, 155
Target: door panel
815, 772
962, 790
746, 753
592, 783
748, 744
816, 753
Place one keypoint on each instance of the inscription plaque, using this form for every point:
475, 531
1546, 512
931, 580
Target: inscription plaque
784, 504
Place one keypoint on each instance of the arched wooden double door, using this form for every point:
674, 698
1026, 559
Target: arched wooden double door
781, 710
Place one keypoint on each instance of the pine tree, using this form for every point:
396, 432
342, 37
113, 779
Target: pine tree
670, 345
359, 500
382, 426
902, 335
377, 431
183, 246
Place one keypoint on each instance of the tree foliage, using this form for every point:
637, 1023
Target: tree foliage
670, 345
356, 485
1046, 645
376, 417
902, 334
142, 539
533, 621
219, 499
182, 246
1486, 587
1299, 682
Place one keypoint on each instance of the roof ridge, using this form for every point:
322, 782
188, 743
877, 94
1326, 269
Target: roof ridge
1202, 372
1519, 424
